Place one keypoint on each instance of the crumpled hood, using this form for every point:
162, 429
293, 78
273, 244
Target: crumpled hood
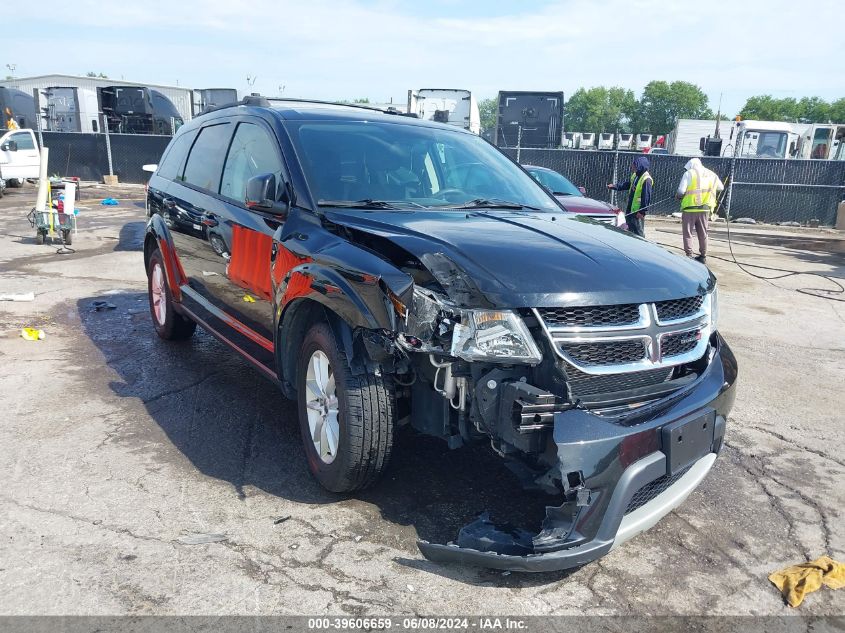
521, 259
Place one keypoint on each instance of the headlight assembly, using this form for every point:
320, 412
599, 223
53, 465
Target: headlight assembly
498, 336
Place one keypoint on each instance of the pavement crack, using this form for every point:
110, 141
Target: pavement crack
190, 385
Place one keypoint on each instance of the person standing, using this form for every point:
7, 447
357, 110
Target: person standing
697, 192
640, 183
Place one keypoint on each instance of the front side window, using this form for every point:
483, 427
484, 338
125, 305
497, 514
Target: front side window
205, 161
252, 153
23, 139
349, 161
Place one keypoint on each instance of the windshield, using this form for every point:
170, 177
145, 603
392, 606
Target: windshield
554, 182
409, 166
763, 144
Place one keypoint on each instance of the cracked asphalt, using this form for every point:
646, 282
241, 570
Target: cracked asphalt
117, 446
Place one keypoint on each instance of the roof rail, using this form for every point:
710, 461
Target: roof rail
362, 106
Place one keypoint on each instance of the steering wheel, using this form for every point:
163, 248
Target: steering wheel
446, 193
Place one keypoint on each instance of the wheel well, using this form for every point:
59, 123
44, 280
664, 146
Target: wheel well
150, 244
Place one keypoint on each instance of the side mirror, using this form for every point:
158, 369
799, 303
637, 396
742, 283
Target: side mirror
702, 144
150, 168
261, 195
10, 146
583, 190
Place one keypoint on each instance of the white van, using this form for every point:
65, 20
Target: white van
19, 157
453, 107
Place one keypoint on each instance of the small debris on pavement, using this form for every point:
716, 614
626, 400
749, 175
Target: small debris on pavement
109, 202
357, 539
745, 221
293, 546
506, 573
102, 305
26, 296
249, 298
209, 273
278, 520
33, 334
199, 539
411, 588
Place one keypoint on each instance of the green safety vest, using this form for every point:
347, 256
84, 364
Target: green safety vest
700, 195
637, 193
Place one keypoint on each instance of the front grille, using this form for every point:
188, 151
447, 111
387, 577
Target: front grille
591, 316
678, 308
605, 353
583, 384
651, 490
680, 343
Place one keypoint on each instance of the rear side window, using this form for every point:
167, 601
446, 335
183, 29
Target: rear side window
174, 159
23, 139
205, 161
253, 152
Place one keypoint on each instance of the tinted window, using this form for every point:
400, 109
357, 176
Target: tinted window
174, 158
23, 139
253, 152
206, 159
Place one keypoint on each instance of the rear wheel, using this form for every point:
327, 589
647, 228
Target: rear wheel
169, 324
346, 420
67, 236
15, 182
39, 237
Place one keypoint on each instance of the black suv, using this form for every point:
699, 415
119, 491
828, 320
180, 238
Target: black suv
387, 271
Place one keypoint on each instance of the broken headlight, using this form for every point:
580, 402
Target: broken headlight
496, 336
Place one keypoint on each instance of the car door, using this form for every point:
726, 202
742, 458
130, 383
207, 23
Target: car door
19, 155
225, 249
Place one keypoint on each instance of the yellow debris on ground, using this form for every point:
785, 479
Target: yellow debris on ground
32, 334
797, 581
249, 298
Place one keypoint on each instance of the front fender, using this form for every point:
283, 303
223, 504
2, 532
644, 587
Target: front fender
157, 230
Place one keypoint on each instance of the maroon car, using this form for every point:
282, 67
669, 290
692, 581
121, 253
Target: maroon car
573, 199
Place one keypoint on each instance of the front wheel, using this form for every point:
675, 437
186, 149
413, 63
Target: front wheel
169, 324
346, 420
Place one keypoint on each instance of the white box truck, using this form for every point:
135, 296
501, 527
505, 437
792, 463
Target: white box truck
570, 140
624, 141
444, 105
588, 140
644, 142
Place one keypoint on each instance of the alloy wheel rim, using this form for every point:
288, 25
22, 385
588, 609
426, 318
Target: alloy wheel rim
321, 406
159, 295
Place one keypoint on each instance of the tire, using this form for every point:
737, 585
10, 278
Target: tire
68, 237
365, 415
17, 183
169, 324
39, 238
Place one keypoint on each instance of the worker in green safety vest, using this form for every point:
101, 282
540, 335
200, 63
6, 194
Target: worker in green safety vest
698, 192
640, 184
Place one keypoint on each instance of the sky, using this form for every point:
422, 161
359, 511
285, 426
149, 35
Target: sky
345, 49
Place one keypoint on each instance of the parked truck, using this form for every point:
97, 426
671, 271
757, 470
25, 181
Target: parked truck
529, 119
17, 109
644, 142
606, 140
445, 105
138, 110
570, 140
588, 140
20, 158
624, 141
68, 109
823, 141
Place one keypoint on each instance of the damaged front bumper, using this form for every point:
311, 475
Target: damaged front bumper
622, 474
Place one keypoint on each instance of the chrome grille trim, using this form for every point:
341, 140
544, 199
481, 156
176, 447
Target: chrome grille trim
648, 328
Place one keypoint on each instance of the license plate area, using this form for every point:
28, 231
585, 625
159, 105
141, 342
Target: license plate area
687, 440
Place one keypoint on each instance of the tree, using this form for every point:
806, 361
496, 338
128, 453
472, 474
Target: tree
837, 111
99, 75
662, 103
487, 109
768, 108
600, 109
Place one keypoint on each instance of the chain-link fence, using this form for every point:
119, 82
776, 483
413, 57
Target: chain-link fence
767, 190
92, 156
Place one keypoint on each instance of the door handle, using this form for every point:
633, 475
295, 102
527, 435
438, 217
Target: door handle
209, 219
